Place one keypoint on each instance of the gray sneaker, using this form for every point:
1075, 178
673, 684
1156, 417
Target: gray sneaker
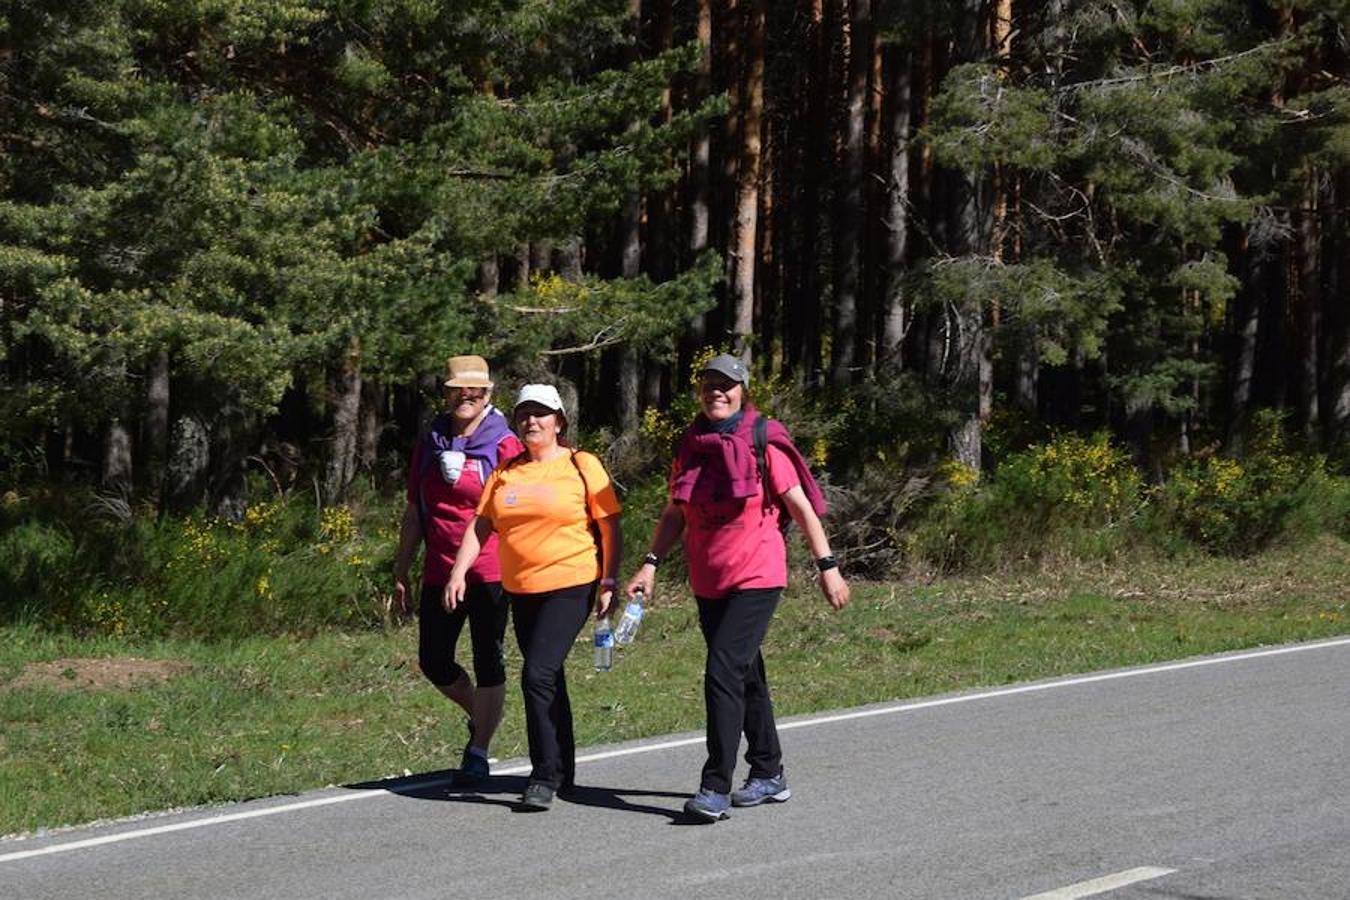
707, 805
537, 797
762, 790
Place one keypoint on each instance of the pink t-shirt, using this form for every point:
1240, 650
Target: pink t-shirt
733, 545
448, 509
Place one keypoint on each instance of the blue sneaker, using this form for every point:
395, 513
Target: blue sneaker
761, 790
708, 804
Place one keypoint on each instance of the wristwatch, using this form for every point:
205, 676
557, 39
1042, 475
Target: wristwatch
826, 563
651, 559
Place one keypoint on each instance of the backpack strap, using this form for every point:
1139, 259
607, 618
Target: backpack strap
761, 442
760, 435
591, 526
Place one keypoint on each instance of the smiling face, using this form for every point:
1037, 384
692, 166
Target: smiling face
721, 396
466, 403
538, 426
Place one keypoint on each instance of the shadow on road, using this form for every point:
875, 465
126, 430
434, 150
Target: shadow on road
505, 791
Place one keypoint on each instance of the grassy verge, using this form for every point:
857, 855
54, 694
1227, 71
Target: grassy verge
269, 715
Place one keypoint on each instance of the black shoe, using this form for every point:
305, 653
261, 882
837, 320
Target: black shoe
537, 797
473, 770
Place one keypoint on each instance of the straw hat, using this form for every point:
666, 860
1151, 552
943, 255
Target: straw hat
467, 371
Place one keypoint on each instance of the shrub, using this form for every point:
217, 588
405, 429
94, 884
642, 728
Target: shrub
1071, 496
36, 561
1237, 507
870, 515
284, 567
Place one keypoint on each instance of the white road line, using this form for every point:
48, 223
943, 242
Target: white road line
682, 742
1103, 884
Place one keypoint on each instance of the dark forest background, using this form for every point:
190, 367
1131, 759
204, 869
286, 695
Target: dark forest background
239, 239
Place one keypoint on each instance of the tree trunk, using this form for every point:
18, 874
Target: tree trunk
895, 318
372, 425
1309, 310
801, 327
744, 259
187, 473
730, 22
1027, 383
156, 446
768, 281
117, 460
1339, 321
231, 439
630, 264
661, 264
522, 267
541, 256
567, 259
969, 233
849, 210
699, 166
1246, 327
488, 273
630, 239
341, 468
627, 398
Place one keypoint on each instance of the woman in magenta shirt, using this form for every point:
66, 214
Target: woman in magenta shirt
730, 516
449, 467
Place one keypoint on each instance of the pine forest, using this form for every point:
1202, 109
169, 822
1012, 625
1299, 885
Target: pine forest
239, 239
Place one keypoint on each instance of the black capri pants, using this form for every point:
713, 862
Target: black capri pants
438, 632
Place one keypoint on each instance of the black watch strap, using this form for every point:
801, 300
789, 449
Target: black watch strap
826, 563
652, 559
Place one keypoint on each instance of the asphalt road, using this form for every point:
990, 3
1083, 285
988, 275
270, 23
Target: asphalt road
1224, 777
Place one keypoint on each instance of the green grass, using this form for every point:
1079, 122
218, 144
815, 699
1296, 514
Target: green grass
271, 715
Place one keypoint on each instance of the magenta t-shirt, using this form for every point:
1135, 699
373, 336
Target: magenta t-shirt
733, 545
449, 507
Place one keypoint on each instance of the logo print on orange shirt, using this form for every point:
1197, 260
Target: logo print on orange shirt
510, 498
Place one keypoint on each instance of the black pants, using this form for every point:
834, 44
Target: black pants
734, 686
547, 626
438, 631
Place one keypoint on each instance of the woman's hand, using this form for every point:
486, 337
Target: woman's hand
603, 602
401, 592
644, 579
454, 593
409, 536
834, 587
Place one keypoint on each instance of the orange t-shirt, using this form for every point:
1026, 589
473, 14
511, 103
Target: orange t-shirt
538, 511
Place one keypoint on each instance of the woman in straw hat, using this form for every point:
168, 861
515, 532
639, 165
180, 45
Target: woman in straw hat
449, 468
557, 517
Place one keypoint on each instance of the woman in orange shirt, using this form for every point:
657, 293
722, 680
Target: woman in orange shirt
547, 507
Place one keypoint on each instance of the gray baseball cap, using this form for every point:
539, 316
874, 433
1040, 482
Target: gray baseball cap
728, 365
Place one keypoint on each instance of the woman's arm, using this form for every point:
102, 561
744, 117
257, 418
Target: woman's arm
475, 536
832, 583
668, 530
611, 551
409, 536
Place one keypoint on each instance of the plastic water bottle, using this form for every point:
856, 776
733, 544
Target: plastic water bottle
604, 646
632, 618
